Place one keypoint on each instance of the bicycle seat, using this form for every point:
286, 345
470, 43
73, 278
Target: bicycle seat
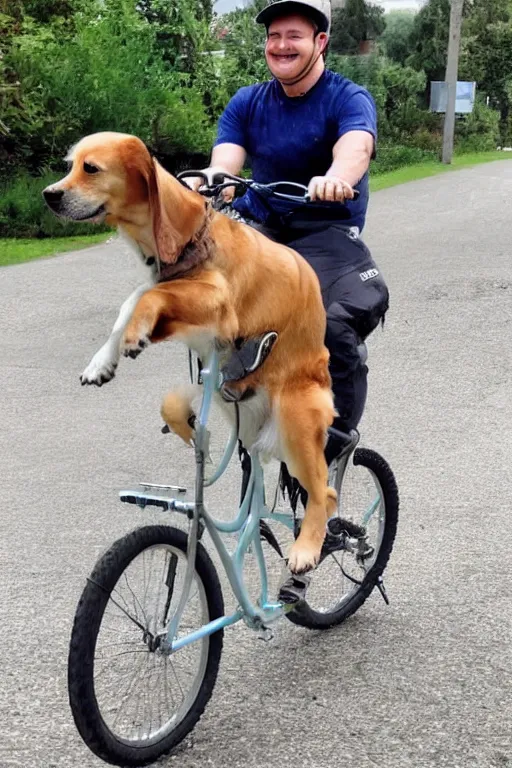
247, 356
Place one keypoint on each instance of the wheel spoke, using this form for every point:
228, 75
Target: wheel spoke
140, 692
342, 582
132, 618
125, 700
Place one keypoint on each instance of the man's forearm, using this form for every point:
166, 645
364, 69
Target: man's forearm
351, 156
228, 157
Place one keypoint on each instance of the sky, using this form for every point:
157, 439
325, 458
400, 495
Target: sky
223, 6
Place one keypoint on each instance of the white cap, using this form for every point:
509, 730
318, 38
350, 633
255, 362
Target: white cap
318, 11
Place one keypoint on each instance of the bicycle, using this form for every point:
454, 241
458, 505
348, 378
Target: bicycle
154, 599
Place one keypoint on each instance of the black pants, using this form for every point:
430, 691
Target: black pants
355, 298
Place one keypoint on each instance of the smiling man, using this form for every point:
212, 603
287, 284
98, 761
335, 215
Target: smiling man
312, 126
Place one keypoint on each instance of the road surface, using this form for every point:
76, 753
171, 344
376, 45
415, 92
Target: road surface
421, 684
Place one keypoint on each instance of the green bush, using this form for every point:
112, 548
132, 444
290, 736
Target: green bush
479, 131
391, 157
429, 140
23, 212
110, 75
394, 88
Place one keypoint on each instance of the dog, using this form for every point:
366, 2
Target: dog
213, 280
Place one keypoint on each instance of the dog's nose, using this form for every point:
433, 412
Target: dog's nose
53, 196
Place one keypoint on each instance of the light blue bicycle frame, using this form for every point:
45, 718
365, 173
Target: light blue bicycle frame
246, 524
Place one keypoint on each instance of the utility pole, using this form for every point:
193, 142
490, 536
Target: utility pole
452, 67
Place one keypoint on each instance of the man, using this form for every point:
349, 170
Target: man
312, 126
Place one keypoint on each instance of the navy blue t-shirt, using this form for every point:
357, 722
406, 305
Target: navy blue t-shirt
291, 139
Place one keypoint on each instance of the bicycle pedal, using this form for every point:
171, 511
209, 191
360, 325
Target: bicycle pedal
294, 588
382, 590
265, 634
352, 529
368, 552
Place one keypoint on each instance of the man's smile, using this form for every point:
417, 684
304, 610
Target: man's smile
283, 58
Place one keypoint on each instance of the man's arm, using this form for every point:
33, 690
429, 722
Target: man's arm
351, 159
226, 158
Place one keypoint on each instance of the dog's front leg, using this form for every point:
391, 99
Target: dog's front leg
102, 367
181, 308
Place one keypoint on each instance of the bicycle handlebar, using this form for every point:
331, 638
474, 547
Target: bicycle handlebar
266, 190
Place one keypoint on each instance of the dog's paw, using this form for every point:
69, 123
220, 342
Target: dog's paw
133, 348
101, 369
303, 557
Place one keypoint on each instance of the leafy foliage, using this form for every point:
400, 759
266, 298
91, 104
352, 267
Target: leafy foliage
395, 40
356, 22
23, 212
428, 40
108, 73
486, 54
243, 42
394, 88
165, 69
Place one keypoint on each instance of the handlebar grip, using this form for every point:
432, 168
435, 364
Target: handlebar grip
218, 178
308, 199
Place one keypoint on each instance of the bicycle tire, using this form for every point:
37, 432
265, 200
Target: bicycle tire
88, 618
303, 614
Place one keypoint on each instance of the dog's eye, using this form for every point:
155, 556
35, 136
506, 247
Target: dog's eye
88, 168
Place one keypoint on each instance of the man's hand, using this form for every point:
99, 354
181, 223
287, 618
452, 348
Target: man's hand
330, 188
196, 182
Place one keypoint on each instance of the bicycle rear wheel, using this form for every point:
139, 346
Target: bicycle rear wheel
344, 579
132, 702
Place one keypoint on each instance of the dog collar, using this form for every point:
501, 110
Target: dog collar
199, 249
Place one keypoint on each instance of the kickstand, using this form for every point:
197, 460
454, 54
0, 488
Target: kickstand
382, 590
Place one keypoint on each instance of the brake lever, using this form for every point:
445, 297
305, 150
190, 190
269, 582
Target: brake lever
217, 189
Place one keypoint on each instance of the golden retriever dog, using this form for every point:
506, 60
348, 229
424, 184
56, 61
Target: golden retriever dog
213, 280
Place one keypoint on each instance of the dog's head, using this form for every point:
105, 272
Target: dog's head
108, 176
112, 177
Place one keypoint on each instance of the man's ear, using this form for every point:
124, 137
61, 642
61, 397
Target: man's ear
323, 39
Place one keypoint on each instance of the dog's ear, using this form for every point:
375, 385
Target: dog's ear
163, 202
176, 212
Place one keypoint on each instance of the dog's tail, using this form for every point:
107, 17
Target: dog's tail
178, 413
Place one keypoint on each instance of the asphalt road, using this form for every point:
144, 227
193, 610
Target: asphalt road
423, 683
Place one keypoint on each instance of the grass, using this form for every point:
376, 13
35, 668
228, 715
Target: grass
15, 251
424, 170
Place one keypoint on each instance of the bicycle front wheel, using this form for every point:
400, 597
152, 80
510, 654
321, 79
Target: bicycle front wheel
368, 498
130, 701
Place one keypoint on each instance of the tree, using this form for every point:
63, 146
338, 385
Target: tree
486, 55
244, 48
394, 88
111, 75
21, 114
429, 39
181, 26
395, 39
355, 23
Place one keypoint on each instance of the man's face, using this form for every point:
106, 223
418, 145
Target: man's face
291, 44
